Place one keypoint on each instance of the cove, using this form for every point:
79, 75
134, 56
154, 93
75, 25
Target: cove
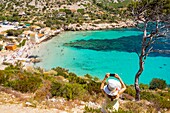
83, 61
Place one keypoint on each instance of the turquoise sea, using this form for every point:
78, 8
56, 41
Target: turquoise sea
97, 63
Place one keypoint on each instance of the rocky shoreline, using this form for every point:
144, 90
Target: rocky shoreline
98, 26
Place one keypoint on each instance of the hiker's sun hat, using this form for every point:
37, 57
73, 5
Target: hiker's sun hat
112, 88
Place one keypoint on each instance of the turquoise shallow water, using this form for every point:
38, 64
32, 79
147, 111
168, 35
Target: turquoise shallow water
97, 63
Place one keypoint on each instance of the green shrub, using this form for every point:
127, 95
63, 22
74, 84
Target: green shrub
73, 78
157, 83
92, 78
13, 32
88, 85
67, 11
91, 110
148, 96
123, 111
43, 92
1, 36
93, 87
76, 91
80, 11
143, 86
95, 110
55, 88
164, 103
8, 74
130, 90
22, 43
67, 90
88, 76
20, 80
4, 77
96, 79
25, 83
61, 71
159, 100
164, 94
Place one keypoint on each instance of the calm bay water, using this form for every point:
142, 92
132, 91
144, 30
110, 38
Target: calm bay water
97, 63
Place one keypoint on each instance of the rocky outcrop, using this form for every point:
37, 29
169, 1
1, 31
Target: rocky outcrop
100, 26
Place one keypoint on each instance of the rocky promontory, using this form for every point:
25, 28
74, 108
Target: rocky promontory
98, 26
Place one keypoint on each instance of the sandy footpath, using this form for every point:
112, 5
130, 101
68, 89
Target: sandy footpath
18, 108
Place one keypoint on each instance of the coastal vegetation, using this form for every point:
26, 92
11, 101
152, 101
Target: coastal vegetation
157, 83
59, 13
60, 83
45, 87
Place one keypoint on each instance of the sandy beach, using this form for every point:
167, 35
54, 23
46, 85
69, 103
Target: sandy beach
21, 54
5, 53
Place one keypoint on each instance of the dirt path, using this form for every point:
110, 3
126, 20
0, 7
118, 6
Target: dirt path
18, 108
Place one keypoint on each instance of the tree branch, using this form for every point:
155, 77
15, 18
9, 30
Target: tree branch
149, 51
162, 51
150, 42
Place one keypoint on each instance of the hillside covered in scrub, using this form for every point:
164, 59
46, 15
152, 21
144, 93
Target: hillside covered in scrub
32, 90
59, 13
62, 90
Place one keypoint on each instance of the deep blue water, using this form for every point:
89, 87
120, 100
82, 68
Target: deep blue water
96, 62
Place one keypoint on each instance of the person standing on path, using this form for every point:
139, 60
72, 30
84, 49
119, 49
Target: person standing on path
112, 92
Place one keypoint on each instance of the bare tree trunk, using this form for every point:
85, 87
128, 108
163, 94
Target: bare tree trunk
141, 63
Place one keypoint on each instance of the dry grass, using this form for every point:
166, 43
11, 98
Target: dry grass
7, 98
142, 106
17, 96
10, 96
